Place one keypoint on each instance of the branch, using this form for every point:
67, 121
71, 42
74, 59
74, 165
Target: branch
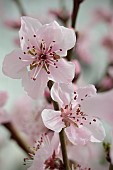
16, 136
111, 167
20, 7
76, 5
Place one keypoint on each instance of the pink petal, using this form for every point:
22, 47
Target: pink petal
100, 105
28, 29
52, 120
50, 32
64, 73
62, 93
13, 66
79, 135
35, 88
96, 128
82, 153
54, 32
41, 155
55, 143
3, 98
69, 42
85, 92
4, 116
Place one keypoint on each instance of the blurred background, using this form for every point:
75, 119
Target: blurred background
94, 52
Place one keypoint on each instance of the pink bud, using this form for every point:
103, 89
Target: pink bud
77, 69
3, 98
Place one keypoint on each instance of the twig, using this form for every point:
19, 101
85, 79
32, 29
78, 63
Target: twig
110, 167
76, 5
20, 7
17, 137
64, 150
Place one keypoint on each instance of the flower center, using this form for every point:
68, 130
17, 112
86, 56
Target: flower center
79, 167
75, 116
54, 163
42, 57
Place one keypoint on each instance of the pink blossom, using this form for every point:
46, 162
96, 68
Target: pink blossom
100, 106
107, 42
3, 98
79, 167
91, 151
62, 14
80, 126
83, 46
77, 69
28, 118
40, 57
4, 117
103, 15
15, 24
106, 83
46, 154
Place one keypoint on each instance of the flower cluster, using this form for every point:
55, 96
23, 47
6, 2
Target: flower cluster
40, 61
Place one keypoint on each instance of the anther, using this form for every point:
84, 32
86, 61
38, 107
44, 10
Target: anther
34, 78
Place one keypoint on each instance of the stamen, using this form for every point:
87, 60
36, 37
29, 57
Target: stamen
36, 72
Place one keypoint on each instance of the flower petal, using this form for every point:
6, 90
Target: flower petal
69, 42
64, 73
52, 120
50, 32
100, 105
4, 116
54, 32
62, 93
85, 92
28, 29
78, 135
13, 66
3, 98
35, 88
96, 128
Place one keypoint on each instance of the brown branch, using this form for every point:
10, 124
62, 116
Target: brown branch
111, 167
20, 7
76, 5
17, 137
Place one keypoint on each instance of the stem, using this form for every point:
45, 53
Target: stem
63, 143
76, 5
20, 7
111, 3
110, 167
61, 135
64, 151
16, 136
